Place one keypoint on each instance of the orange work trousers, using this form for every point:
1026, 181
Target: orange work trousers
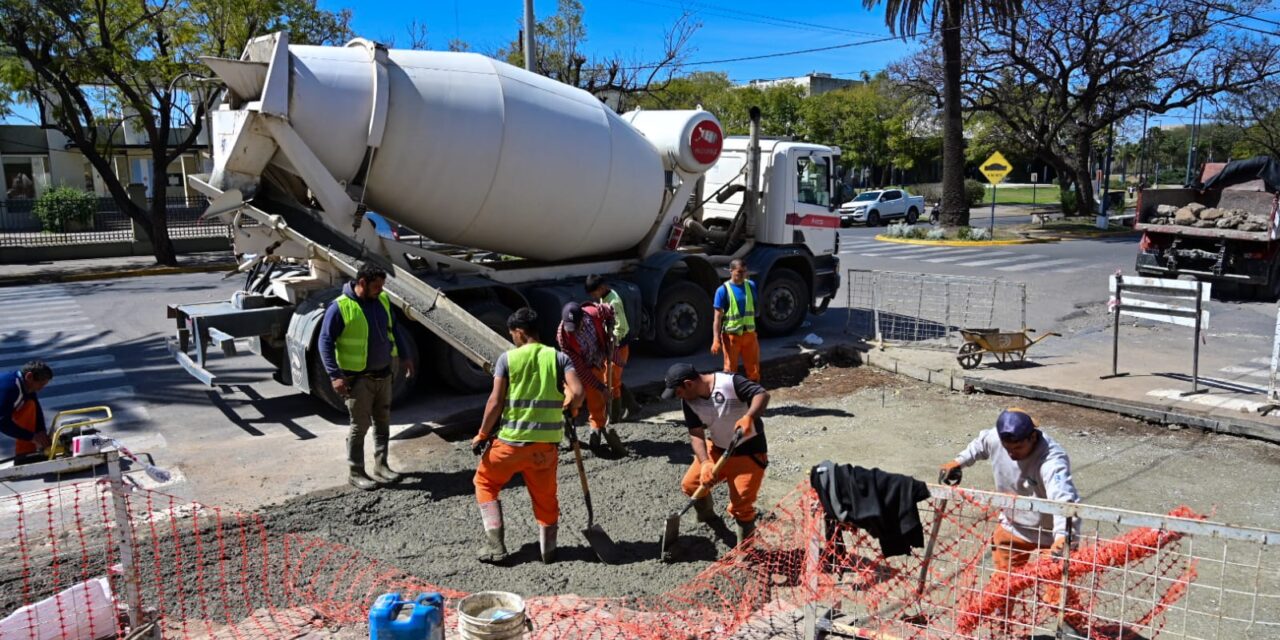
1009, 552
25, 417
537, 462
743, 474
597, 403
744, 346
624, 356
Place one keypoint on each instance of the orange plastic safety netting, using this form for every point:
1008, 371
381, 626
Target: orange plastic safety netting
203, 571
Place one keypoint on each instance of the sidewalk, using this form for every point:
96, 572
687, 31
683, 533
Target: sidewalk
104, 268
1233, 390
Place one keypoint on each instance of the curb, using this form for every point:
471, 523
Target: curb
1158, 414
965, 243
12, 281
1067, 237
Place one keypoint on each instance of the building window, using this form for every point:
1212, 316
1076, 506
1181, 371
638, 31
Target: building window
18, 176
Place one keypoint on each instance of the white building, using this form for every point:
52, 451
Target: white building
814, 84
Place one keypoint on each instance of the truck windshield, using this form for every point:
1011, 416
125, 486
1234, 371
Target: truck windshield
812, 182
867, 196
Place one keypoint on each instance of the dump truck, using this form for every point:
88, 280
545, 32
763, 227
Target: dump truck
1221, 229
506, 189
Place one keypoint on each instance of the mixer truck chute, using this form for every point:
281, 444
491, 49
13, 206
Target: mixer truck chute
515, 188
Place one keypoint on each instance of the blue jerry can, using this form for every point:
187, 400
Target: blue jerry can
419, 619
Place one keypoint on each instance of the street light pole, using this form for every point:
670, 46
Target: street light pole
529, 26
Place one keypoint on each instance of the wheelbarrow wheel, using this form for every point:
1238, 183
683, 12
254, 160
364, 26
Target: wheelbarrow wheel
969, 355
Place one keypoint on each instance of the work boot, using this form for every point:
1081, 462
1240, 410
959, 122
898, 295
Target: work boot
615, 410
630, 408
547, 542
495, 547
705, 509
381, 471
615, 443
593, 441
359, 480
745, 529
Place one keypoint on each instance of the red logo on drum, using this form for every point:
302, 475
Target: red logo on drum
706, 141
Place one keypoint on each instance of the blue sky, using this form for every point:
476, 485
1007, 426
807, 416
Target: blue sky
633, 30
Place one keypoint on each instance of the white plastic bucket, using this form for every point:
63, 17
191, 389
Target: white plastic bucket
491, 615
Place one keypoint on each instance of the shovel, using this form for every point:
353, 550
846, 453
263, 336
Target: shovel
600, 541
919, 618
672, 529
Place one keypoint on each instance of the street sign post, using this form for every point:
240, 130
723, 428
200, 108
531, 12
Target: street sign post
995, 169
1035, 178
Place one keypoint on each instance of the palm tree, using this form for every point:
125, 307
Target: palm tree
903, 17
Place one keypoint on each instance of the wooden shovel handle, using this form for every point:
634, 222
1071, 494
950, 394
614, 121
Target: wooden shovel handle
704, 489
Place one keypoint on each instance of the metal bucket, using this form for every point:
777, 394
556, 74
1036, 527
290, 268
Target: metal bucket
491, 615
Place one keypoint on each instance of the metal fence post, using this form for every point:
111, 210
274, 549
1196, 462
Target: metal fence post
1023, 294
129, 574
1115, 328
1195, 349
946, 313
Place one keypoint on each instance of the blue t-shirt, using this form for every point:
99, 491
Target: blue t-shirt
722, 303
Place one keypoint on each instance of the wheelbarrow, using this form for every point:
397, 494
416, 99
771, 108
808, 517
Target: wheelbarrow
1007, 346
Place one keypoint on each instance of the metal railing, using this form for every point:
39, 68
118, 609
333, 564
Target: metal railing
928, 310
20, 227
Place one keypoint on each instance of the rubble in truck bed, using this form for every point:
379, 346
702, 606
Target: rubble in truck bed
1201, 217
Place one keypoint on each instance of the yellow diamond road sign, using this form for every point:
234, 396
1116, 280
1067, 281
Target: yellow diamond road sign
996, 168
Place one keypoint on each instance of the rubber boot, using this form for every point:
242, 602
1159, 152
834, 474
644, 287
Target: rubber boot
615, 410
495, 546
705, 509
615, 443
593, 441
547, 542
359, 480
630, 408
745, 529
381, 471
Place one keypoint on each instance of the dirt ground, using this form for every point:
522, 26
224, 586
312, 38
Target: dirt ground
429, 525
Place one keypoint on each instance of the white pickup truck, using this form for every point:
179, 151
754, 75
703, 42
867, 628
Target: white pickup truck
875, 207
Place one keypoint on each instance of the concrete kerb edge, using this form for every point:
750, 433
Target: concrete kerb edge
1134, 409
12, 281
945, 378
964, 243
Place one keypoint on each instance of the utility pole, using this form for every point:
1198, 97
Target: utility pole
1142, 161
529, 26
1192, 141
1106, 177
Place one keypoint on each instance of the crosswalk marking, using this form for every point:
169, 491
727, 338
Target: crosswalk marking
1037, 265
903, 250
959, 254
917, 254
43, 321
61, 364
62, 329
45, 307
987, 263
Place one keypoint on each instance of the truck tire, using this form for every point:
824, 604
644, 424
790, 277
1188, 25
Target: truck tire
913, 214
783, 304
873, 219
401, 388
682, 319
454, 368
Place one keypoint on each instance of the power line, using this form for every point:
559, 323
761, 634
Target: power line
1217, 7
758, 18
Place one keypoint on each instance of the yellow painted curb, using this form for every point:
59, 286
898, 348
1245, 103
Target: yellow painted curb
964, 243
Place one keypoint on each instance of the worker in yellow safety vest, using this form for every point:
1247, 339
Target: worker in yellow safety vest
734, 325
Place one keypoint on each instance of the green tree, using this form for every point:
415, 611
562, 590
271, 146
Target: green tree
87, 63
948, 16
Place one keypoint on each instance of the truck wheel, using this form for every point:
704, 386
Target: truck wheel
912, 215
873, 219
321, 388
454, 368
682, 319
784, 302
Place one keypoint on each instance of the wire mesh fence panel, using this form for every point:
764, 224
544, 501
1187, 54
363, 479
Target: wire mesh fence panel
929, 310
20, 227
206, 572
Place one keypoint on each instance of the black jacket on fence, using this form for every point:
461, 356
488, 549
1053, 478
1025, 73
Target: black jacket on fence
880, 503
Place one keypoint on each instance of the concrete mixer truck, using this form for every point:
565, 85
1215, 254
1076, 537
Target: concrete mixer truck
515, 187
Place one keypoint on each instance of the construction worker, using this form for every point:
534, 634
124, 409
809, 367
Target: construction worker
358, 347
1025, 462
585, 335
716, 407
20, 415
734, 325
624, 404
533, 385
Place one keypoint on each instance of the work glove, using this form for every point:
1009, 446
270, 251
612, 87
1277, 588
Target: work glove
950, 473
746, 425
478, 443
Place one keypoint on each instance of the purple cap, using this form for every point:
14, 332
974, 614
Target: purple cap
570, 316
1015, 424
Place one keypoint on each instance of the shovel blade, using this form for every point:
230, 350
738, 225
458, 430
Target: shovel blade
604, 546
670, 533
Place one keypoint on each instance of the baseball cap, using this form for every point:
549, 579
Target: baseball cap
1015, 424
676, 375
570, 316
